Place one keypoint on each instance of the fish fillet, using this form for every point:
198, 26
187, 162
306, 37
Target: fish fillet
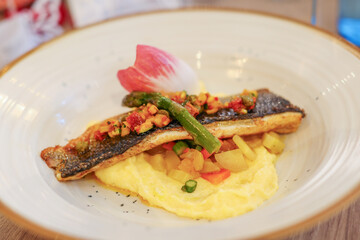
271, 113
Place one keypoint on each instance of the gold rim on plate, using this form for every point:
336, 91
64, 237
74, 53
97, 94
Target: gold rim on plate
297, 227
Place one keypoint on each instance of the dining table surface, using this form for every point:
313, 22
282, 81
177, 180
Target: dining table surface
342, 224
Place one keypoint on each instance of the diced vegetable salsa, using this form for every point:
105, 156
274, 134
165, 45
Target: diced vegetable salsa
147, 116
184, 161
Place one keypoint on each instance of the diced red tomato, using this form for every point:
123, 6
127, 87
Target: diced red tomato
236, 104
216, 177
191, 109
134, 119
205, 153
177, 99
99, 136
168, 146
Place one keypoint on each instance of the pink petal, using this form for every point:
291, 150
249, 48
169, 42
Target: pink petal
133, 80
157, 70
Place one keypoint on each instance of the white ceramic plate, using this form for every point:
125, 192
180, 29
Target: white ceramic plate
53, 92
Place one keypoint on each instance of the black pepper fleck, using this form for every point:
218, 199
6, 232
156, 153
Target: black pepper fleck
121, 205
128, 195
89, 195
135, 201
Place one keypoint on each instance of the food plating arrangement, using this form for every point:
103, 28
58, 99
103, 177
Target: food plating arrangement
189, 152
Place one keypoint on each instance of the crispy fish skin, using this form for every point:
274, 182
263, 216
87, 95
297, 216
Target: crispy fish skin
271, 113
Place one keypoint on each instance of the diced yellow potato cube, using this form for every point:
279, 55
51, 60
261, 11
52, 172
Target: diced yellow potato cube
232, 160
201, 99
274, 134
152, 109
195, 174
171, 160
188, 154
157, 162
196, 157
187, 165
218, 165
161, 120
245, 149
209, 166
273, 144
198, 160
179, 175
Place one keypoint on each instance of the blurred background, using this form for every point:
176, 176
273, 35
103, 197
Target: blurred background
24, 24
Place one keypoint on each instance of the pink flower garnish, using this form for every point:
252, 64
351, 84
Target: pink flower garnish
155, 70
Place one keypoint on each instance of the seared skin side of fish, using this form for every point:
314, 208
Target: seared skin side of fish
271, 113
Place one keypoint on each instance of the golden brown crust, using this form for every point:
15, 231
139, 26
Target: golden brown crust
282, 123
271, 113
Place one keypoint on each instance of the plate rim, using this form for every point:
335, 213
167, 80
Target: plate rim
305, 224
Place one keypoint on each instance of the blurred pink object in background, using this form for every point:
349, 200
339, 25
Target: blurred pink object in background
24, 29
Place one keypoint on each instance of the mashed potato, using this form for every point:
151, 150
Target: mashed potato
238, 194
